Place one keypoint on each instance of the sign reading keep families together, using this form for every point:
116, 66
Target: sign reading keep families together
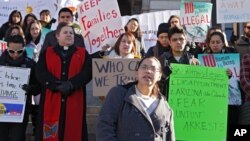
100, 22
12, 97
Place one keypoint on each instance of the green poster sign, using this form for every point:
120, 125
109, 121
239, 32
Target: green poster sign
199, 98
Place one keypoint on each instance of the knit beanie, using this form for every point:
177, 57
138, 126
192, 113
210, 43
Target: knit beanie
162, 28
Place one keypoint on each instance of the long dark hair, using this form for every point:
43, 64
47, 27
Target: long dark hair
28, 35
137, 33
11, 15
25, 24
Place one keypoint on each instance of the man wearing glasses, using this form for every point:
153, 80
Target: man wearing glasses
243, 44
15, 56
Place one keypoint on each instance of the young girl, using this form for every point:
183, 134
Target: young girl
33, 39
133, 27
15, 18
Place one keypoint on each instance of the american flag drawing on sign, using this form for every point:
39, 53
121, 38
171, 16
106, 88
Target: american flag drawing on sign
209, 60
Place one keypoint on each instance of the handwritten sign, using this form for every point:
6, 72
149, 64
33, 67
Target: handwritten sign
231, 61
199, 97
230, 11
196, 19
12, 97
100, 22
108, 73
3, 46
149, 23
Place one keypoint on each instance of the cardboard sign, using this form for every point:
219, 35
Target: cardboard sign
199, 98
108, 73
12, 97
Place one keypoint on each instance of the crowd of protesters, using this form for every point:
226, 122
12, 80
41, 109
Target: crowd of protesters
60, 70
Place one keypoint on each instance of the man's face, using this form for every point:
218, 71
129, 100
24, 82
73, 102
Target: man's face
177, 42
65, 17
247, 30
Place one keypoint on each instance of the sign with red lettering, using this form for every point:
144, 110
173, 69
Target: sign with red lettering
100, 22
229, 61
195, 18
3, 46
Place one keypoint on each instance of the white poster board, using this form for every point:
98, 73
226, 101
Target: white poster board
100, 22
149, 23
12, 97
230, 11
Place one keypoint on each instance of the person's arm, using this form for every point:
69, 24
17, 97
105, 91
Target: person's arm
85, 75
245, 74
107, 121
43, 75
171, 135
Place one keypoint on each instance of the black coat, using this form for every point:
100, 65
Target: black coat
48, 80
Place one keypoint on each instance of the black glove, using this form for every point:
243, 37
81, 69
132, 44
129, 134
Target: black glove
64, 87
27, 88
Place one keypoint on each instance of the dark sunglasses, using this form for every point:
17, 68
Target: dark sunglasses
15, 51
248, 27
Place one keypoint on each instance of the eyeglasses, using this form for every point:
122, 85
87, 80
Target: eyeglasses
151, 68
248, 27
15, 51
176, 39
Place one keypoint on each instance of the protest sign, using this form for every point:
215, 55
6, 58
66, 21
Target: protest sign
100, 22
3, 46
12, 97
108, 73
196, 19
231, 61
149, 23
198, 96
231, 11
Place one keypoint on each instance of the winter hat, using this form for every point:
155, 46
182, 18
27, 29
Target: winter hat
162, 28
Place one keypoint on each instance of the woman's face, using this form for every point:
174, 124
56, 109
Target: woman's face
132, 26
15, 50
29, 20
149, 72
35, 30
216, 43
66, 36
126, 46
16, 18
174, 22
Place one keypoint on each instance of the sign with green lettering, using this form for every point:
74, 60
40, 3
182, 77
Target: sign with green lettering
199, 98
